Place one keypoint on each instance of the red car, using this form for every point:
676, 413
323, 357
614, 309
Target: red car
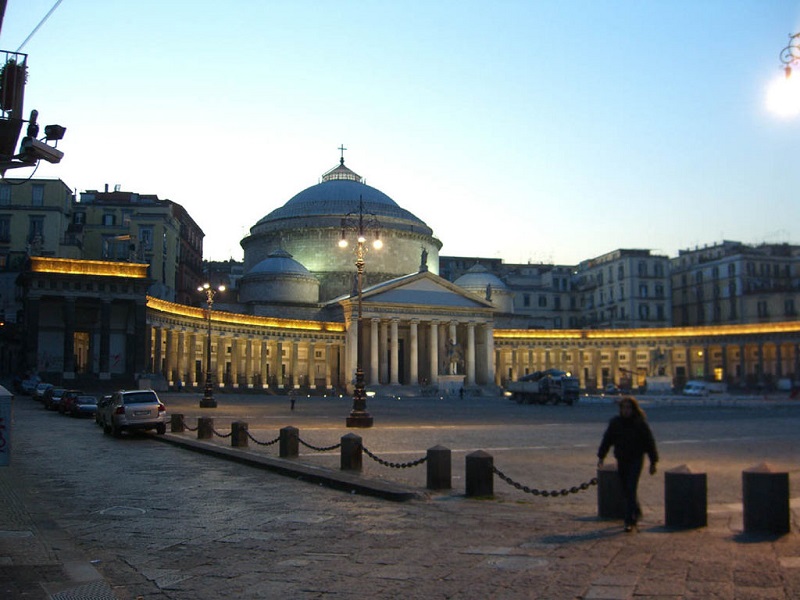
67, 400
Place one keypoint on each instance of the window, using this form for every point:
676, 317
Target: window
788, 307
620, 272
109, 219
5, 194
146, 238
542, 301
731, 270
5, 229
79, 218
643, 290
762, 308
644, 312
35, 229
526, 299
659, 269
37, 194
659, 290
642, 269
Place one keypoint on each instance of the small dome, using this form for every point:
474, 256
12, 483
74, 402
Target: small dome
279, 262
478, 277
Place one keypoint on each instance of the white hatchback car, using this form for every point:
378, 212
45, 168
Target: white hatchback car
130, 410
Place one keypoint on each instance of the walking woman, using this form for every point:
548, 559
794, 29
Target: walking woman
631, 437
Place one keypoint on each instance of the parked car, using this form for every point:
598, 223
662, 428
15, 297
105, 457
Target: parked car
611, 390
695, 388
40, 390
83, 406
28, 386
101, 404
52, 398
67, 398
130, 410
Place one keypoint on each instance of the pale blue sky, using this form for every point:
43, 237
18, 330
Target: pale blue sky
529, 131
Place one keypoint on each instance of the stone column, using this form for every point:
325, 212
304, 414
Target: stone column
778, 360
724, 350
277, 364
295, 365
433, 351
395, 354
264, 369
181, 358
235, 361
470, 357
220, 364
383, 354
69, 338
191, 358
760, 349
414, 353
311, 375
328, 365
374, 373
105, 339
248, 363
157, 352
169, 366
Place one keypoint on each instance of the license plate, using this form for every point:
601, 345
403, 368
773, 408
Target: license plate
141, 413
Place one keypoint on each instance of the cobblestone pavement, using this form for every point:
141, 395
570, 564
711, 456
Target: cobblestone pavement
89, 516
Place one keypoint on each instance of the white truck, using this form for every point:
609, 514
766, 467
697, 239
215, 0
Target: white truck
543, 387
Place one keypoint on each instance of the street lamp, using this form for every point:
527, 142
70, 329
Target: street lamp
207, 400
783, 95
356, 221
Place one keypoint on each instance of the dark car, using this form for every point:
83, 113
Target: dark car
67, 398
52, 397
83, 406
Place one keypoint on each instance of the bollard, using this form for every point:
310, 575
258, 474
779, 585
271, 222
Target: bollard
439, 468
685, 498
351, 452
610, 499
205, 427
480, 474
239, 434
765, 495
289, 438
176, 423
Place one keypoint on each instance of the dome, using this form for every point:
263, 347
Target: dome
478, 277
279, 278
312, 223
279, 262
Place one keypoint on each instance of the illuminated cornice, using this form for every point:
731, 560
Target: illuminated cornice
222, 317
68, 266
651, 333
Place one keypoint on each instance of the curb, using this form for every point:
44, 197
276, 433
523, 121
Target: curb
340, 480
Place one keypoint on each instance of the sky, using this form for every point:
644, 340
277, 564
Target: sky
531, 131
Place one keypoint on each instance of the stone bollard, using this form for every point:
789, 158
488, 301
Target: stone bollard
765, 495
685, 498
439, 468
289, 442
239, 434
176, 423
351, 452
480, 474
205, 427
610, 499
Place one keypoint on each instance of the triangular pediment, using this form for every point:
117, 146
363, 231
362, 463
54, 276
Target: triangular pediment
423, 289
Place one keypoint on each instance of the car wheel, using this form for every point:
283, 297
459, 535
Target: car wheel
161, 429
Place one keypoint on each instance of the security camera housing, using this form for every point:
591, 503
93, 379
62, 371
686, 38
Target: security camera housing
32, 150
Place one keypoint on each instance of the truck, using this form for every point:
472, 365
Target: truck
542, 387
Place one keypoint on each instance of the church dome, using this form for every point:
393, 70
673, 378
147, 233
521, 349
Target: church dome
479, 281
279, 278
312, 222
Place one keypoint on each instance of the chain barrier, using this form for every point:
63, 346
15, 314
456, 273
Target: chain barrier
320, 448
222, 435
545, 493
186, 427
269, 443
386, 463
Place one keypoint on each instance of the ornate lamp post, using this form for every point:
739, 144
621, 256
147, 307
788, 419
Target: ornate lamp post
791, 54
207, 400
783, 95
356, 221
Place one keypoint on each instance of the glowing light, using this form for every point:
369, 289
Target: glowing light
69, 266
783, 96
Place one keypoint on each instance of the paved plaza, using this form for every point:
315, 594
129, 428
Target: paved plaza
89, 516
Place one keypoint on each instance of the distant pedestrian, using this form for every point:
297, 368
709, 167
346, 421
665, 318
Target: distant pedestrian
632, 438
291, 400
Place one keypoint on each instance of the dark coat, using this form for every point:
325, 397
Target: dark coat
631, 438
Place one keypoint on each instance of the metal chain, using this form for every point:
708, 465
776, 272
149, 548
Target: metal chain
319, 448
269, 443
186, 427
545, 493
222, 435
386, 463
